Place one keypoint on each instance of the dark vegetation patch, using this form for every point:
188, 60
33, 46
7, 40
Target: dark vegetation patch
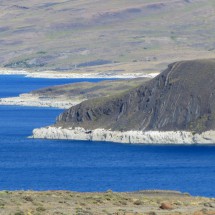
4, 28
95, 63
20, 7
31, 63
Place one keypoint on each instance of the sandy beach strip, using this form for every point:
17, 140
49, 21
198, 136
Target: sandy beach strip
77, 75
36, 101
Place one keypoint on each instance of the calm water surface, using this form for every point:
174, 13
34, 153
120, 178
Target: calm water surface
90, 166
12, 85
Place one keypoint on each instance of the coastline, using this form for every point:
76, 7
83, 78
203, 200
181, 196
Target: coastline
62, 101
128, 137
31, 100
77, 74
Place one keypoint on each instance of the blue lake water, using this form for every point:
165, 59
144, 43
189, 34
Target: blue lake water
90, 166
12, 85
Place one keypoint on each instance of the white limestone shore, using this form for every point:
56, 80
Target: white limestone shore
130, 137
69, 75
37, 101
13, 72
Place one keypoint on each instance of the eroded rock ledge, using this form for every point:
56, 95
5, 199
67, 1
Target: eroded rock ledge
131, 137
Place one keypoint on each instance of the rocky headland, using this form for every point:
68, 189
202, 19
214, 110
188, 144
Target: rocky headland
177, 106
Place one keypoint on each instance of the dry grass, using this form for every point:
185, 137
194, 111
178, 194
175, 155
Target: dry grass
64, 202
87, 90
140, 35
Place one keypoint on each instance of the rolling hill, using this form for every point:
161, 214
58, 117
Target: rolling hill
65, 35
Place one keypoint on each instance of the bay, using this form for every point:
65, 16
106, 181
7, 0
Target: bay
30, 164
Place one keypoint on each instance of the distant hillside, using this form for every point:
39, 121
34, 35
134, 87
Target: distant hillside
180, 98
66, 35
88, 90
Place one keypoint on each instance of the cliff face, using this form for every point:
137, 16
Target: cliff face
180, 98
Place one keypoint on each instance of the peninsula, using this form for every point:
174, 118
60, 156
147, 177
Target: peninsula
68, 95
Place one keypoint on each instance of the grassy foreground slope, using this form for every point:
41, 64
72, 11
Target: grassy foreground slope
67, 35
107, 203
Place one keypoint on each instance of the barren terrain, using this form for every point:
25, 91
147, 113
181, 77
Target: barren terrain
112, 37
107, 203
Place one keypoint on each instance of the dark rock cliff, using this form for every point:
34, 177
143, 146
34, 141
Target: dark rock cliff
180, 98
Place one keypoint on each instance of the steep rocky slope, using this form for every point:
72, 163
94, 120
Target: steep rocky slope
180, 98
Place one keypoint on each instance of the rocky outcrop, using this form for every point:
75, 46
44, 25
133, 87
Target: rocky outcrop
182, 98
166, 206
